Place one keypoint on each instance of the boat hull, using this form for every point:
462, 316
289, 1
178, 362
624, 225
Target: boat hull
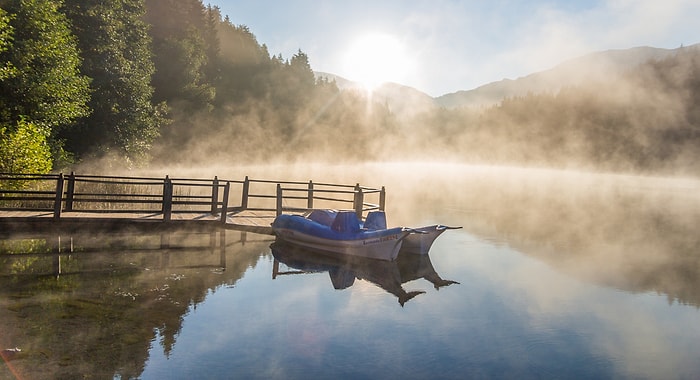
376, 244
385, 247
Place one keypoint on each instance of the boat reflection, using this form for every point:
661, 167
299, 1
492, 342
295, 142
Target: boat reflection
344, 269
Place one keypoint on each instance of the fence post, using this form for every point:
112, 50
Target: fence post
70, 192
214, 195
279, 199
59, 198
310, 201
224, 205
382, 199
358, 201
167, 199
244, 197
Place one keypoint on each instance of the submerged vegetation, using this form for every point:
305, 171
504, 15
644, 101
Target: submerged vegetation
128, 83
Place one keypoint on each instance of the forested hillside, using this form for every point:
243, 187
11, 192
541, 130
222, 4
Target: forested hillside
133, 83
644, 120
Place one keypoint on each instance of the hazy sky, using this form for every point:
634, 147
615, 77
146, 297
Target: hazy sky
442, 46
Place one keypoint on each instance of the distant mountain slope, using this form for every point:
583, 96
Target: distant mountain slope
591, 67
342, 83
401, 100
599, 66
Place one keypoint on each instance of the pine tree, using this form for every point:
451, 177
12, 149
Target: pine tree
182, 42
116, 54
301, 71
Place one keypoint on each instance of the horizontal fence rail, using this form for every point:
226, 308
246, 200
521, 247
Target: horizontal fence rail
74, 193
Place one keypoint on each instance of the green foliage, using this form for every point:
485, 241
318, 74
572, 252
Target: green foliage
7, 69
24, 149
245, 67
116, 54
47, 88
180, 78
184, 52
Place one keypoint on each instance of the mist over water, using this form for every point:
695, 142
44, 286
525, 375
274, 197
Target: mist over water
583, 243
630, 232
561, 274
636, 233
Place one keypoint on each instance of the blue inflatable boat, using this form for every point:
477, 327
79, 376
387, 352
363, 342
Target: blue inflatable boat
342, 232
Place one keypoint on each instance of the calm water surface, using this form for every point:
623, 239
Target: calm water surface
554, 275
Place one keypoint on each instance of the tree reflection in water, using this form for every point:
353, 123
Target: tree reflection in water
90, 306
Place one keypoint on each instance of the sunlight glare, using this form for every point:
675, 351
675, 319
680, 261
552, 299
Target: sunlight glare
376, 58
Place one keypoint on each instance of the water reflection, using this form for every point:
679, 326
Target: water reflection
632, 233
569, 276
89, 306
344, 269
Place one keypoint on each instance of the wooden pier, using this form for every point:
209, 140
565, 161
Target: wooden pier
58, 202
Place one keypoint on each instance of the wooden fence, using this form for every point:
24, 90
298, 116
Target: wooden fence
59, 193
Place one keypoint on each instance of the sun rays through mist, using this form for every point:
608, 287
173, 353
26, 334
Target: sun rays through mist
376, 58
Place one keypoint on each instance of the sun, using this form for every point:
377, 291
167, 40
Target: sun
375, 58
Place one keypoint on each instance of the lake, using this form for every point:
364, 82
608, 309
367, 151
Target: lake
555, 274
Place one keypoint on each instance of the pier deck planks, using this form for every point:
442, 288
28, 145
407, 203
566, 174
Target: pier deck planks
247, 220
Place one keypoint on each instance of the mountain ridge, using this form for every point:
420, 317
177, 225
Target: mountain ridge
593, 66
590, 67
401, 99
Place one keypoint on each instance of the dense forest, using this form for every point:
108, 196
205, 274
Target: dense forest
646, 120
132, 83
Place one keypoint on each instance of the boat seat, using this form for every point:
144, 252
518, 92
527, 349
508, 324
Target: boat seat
324, 217
376, 220
346, 222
